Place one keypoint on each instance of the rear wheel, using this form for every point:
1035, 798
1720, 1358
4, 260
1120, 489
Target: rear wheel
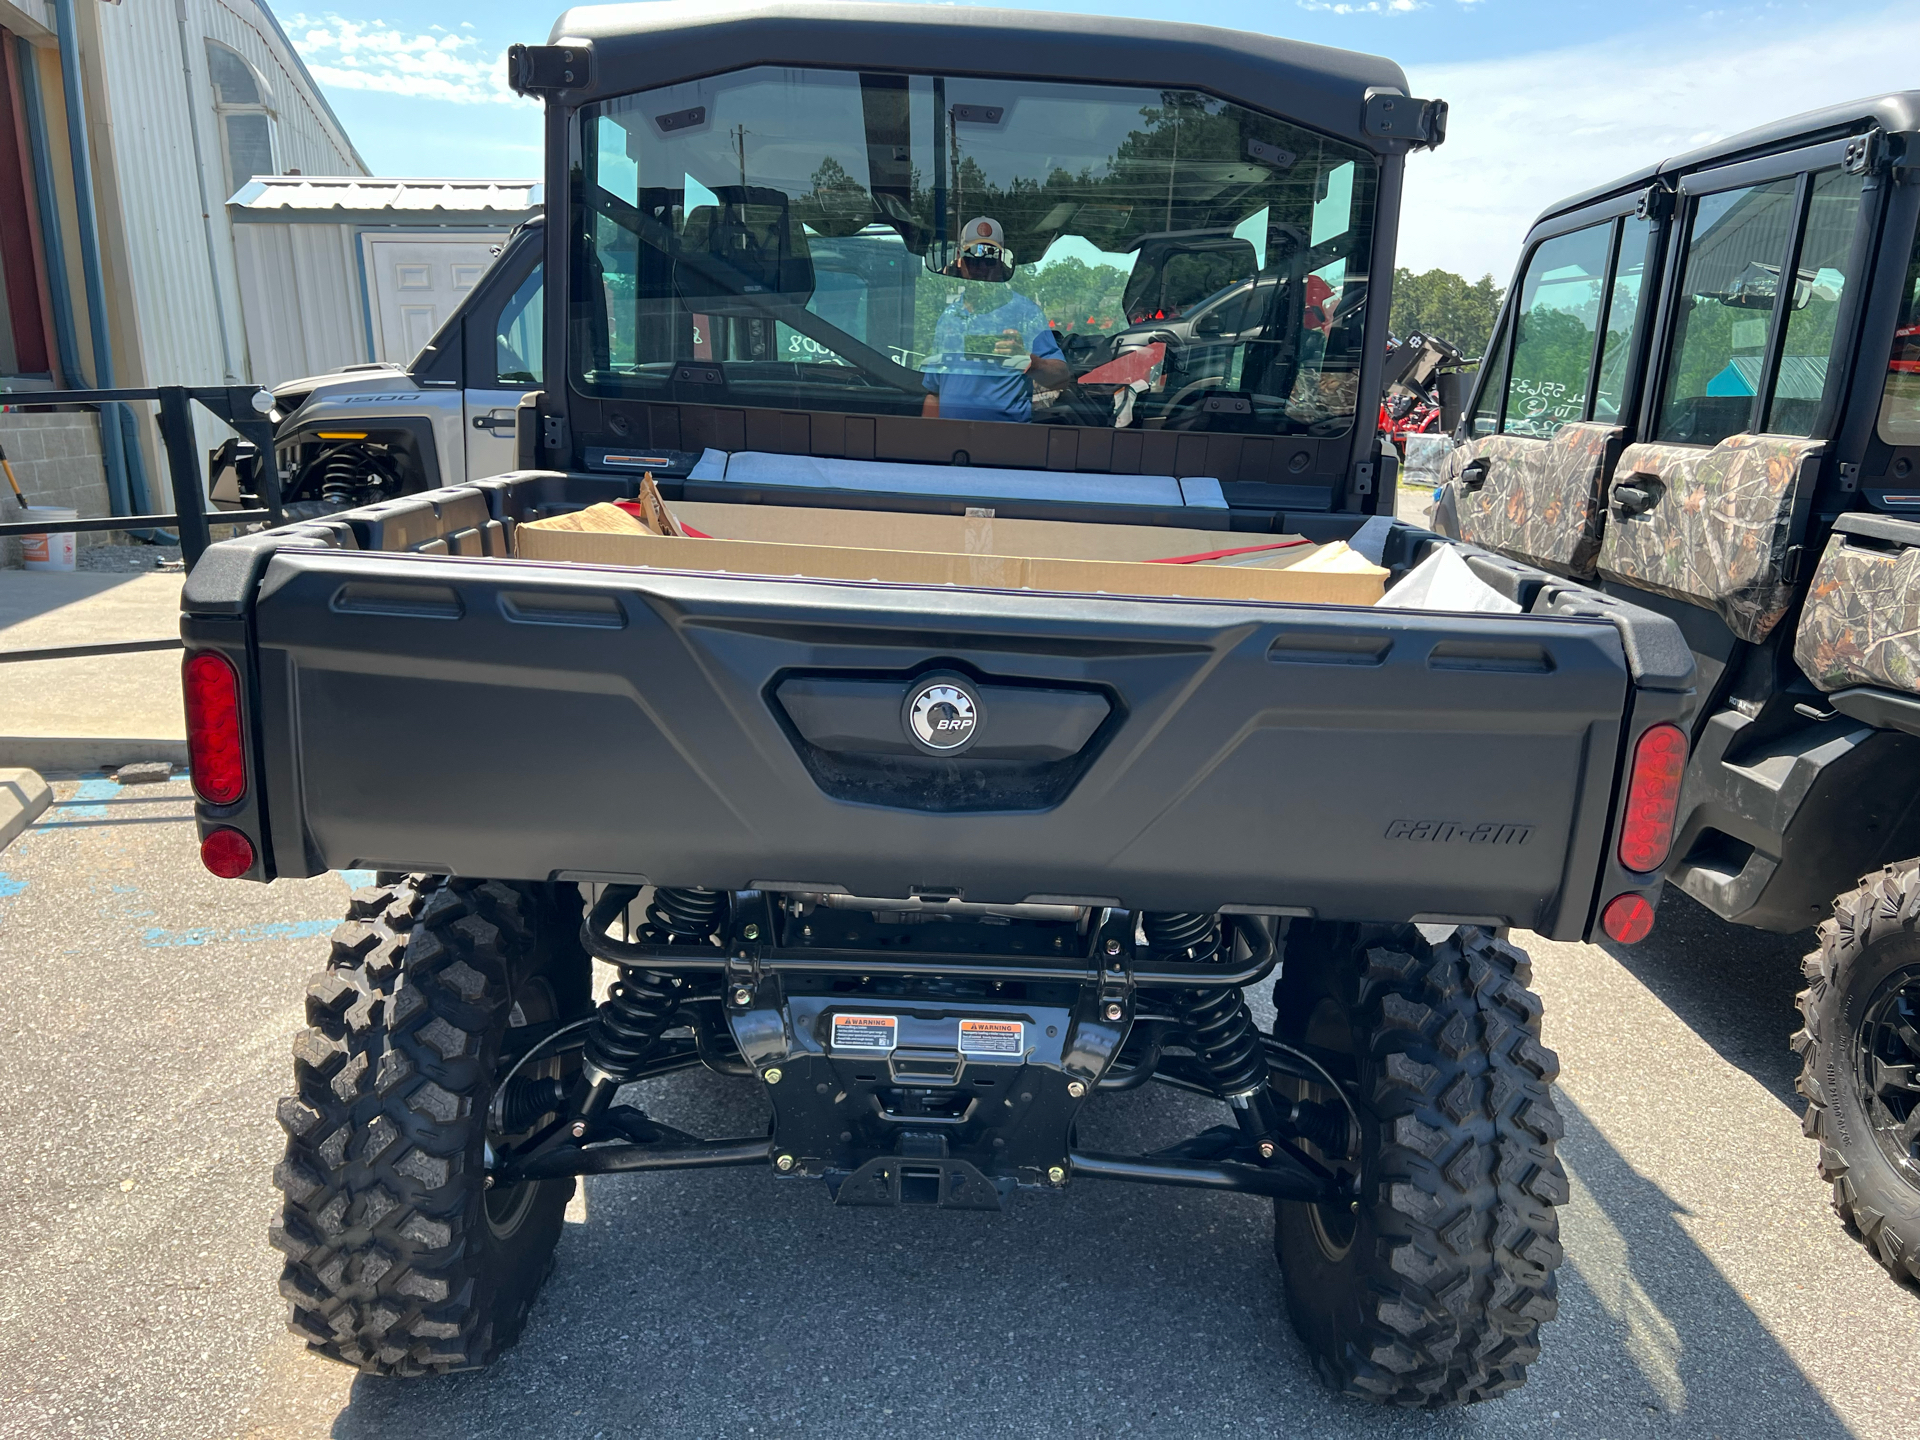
1430, 1289
1860, 1054
400, 1259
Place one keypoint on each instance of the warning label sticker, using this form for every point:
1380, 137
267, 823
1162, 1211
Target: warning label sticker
992, 1037
865, 1032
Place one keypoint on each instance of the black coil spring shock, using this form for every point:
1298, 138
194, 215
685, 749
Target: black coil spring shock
348, 474
641, 1004
638, 1008
1217, 1021
683, 917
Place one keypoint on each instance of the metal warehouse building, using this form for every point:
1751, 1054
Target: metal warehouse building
123, 128
339, 269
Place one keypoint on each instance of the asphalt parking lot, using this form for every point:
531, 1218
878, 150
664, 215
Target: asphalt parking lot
147, 1011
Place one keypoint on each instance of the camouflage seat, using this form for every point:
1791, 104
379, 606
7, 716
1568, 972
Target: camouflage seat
1715, 527
1861, 624
1542, 501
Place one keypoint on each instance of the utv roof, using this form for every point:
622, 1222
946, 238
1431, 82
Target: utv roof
636, 47
1897, 113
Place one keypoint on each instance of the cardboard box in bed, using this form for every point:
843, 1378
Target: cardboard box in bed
976, 551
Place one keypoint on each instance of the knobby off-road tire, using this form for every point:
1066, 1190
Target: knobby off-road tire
1858, 1047
1429, 1291
399, 1260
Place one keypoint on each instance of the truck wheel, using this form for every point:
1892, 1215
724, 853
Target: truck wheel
1430, 1289
1860, 1054
400, 1259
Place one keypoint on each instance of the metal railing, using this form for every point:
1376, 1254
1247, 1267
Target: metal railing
231, 404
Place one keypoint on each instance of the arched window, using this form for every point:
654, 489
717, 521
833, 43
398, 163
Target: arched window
241, 98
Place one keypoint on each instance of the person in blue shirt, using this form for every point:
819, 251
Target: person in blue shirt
992, 347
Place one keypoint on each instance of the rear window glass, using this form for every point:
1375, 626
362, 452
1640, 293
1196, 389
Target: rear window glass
971, 249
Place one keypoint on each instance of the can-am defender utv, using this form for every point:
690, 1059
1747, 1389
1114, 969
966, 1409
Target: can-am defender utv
1661, 416
939, 864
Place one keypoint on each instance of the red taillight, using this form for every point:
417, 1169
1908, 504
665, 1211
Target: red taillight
1627, 919
1653, 798
227, 853
214, 752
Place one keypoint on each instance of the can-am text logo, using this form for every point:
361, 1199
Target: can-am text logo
1487, 832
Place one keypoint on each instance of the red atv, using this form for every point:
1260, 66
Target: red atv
1420, 385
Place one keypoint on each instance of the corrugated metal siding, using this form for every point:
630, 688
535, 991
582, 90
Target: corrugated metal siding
148, 94
301, 288
38, 11
351, 192
304, 139
152, 152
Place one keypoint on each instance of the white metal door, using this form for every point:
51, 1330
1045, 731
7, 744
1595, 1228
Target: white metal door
414, 284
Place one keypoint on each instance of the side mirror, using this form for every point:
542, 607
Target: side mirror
1229, 317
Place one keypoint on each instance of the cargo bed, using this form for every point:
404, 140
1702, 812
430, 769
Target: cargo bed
474, 714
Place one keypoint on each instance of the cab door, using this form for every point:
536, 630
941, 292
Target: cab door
1709, 505
503, 345
1547, 420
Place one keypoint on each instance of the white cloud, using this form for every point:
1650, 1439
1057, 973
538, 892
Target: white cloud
1527, 131
349, 55
1364, 7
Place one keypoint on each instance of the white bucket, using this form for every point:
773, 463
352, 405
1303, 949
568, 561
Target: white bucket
54, 550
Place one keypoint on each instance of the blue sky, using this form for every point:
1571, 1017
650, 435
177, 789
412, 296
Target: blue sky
1548, 96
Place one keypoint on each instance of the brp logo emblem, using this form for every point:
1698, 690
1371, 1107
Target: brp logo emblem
942, 715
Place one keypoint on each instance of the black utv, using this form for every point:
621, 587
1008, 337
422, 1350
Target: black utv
1704, 397
938, 864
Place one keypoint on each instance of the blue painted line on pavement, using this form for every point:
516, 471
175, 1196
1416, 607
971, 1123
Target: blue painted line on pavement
158, 939
356, 879
74, 807
9, 885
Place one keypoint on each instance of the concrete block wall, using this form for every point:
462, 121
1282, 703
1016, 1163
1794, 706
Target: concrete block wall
56, 458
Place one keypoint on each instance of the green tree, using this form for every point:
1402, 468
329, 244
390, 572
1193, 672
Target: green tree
1446, 306
1074, 294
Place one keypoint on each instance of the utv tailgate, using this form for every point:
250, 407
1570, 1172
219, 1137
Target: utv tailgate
521, 721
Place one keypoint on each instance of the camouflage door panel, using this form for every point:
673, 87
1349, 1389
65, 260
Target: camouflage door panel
1861, 623
1543, 501
1721, 528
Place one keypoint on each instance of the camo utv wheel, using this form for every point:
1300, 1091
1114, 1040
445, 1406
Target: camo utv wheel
1860, 1059
400, 1260
1430, 1289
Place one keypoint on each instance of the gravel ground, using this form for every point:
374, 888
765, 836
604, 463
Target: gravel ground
148, 1010
127, 559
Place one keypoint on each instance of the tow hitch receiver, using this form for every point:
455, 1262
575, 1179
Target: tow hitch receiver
915, 1099
921, 1174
